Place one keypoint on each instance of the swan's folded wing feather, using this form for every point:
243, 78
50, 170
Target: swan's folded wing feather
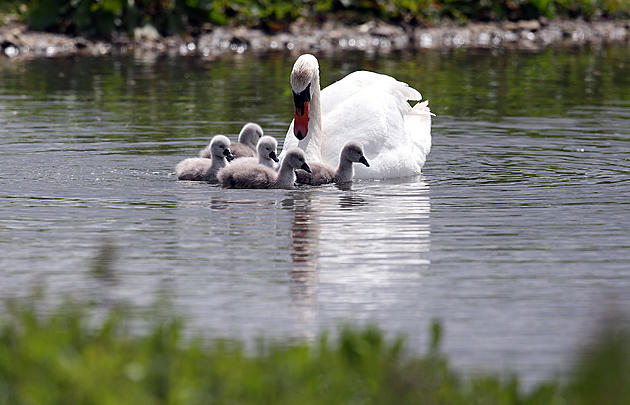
360, 80
374, 117
418, 124
396, 137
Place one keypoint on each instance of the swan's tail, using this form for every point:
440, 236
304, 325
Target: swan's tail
418, 124
407, 92
421, 108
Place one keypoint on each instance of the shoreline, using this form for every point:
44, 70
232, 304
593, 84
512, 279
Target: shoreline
16, 41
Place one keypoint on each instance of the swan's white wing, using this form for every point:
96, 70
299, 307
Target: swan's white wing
395, 137
359, 81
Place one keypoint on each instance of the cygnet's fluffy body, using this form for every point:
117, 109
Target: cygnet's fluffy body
250, 174
321, 174
203, 169
246, 146
266, 151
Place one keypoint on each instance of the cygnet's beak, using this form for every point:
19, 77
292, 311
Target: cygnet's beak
273, 156
364, 161
228, 154
306, 168
301, 101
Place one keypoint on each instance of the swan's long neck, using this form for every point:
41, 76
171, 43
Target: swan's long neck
345, 170
263, 160
218, 163
312, 144
286, 176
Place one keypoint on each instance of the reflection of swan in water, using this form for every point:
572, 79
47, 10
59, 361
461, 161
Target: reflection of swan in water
349, 201
218, 203
304, 236
333, 254
359, 252
373, 252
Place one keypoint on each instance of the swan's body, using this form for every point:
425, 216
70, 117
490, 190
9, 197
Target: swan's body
204, 169
254, 175
366, 107
322, 174
245, 147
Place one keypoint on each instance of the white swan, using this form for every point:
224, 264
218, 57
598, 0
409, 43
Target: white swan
254, 175
367, 107
322, 174
204, 169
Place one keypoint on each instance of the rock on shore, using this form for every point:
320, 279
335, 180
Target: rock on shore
16, 40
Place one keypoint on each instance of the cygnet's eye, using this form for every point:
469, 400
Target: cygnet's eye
221, 146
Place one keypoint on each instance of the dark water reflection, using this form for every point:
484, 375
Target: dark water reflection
516, 235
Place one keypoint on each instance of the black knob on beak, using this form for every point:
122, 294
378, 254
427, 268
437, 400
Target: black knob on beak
306, 168
228, 154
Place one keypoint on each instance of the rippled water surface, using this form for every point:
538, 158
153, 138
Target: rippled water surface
516, 236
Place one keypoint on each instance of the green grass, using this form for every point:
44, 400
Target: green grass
74, 354
69, 357
104, 17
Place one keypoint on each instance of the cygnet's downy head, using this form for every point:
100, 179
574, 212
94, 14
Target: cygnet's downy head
353, 151
267, 148
250, 134
296, 159
220, 147
304, 70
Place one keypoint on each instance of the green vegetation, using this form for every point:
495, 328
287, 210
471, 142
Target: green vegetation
70, 357
76, 354
104, 17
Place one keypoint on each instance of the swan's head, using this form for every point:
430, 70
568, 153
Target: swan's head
220, 147
353, 151
305, 69
296, 159
267, 148
250, 134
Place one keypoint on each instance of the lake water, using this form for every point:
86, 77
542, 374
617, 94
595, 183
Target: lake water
516, 236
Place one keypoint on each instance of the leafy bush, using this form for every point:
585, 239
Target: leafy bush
104, 17
70, 357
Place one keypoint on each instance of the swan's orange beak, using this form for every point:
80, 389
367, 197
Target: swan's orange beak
300, 125
301, 101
